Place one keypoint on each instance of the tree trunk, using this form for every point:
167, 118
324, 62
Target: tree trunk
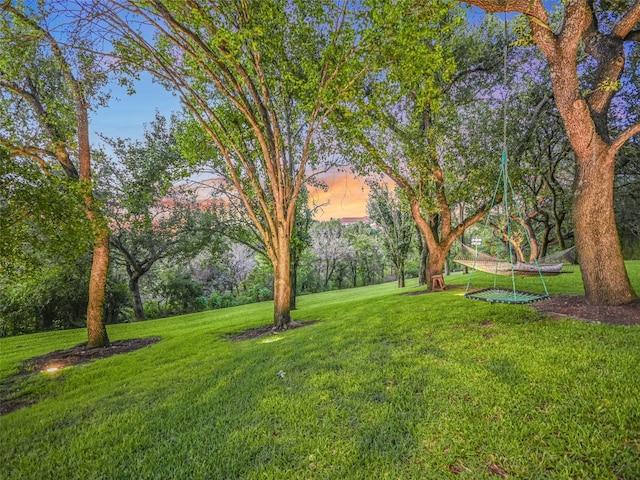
435, 265
96, 330
294, 280
424, 253
354, 274
604, 275
400, 274
559, 237
134, 290
282, 287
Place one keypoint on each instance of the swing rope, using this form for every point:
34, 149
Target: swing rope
497, 294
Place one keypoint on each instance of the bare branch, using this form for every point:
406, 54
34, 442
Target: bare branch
532, 8
628, 21
626, 135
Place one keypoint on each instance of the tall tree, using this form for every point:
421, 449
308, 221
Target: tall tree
259, 78
398, 125
151, 217
393, 219
46, 91
607, 36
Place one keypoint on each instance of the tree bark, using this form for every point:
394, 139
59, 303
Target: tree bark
424, 253
400, 274
435, 264
605, 278
136, 299
294, 280
96, 330
282, 287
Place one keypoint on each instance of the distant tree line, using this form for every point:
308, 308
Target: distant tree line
274, 93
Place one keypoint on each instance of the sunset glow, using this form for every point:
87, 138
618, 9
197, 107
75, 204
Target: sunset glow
346, 196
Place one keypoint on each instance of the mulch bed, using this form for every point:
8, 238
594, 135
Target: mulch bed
260, 332
77, 355
81, 354
576, 306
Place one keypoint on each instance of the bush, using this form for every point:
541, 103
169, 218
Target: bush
180, 293
54, 298
117, 307
152, 309
200, 303
259, 293
217, 300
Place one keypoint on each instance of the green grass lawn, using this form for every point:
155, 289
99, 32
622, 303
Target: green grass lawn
383, 386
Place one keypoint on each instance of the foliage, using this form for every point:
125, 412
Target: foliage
331, 248
53, 298
258, 79
35, 209
152, 217
180, 292
392, 215
384, 384
627, 202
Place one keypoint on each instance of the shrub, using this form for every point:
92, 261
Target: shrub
218, 300
152, 309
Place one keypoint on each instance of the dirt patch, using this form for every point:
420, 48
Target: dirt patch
576, 306
11, 395
260, 332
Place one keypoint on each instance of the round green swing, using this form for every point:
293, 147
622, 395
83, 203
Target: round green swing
497, 294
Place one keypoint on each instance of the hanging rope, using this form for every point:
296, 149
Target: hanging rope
497, 294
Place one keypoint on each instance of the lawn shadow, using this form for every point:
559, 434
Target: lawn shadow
14, 390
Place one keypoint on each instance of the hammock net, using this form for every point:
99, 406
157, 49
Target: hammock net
549, 265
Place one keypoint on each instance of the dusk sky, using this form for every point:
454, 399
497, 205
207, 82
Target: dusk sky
346, 196
126, 116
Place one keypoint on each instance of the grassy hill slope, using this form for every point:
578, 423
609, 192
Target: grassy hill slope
382, 386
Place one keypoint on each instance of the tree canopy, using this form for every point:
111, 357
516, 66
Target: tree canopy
259, 79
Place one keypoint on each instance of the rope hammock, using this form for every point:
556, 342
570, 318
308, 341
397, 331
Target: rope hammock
510, 267
549, 265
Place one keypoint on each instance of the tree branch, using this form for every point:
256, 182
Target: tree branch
628, 21
621, 139
532, 8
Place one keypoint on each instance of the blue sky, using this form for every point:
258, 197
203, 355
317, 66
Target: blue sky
126, 115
